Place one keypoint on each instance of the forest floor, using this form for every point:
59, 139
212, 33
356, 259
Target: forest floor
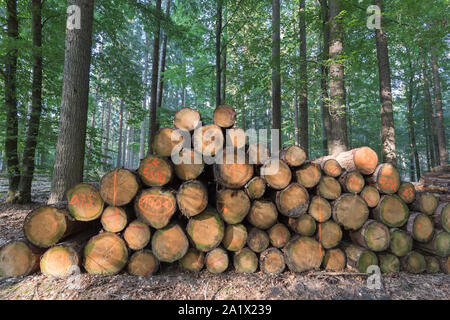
172, 283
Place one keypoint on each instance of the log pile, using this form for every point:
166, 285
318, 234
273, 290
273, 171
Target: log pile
253, 211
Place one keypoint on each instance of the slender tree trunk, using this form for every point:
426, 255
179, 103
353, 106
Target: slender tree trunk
12, 124
153, 93
36, 106
304, 140
224, 66
126, 136
119, 144
163, 60
440, 129
429, 116
337, 141
414, 156
324, 106
296, 118
384, 75
107, 129
218, 49
276, 68
144, 102
70, 147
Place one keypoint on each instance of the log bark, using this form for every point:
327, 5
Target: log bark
442, 216
363, 160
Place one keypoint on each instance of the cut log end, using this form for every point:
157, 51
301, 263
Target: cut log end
232, 205
371, 195
386, 178
414, 262
263, 214
206, 230
305, 225
293, 155
234, 172
272, 261
192, 198
155, 171
224, 116
236, 138
217, 260
292, 201
114, 219
303, 254
255, 188
350, 211
334, 260
352, 181
17, 259
331, 168
137, 235
85, 202
308, 175
392, 211
329, 188
359, 258
319, 209
118, 187
165, 140
420, 227
235, 237
60, 261
373, 235
191, 165
425, 202
366, 160
433, 265
193, 260
401, 242
257, 240
186, 119
45, 226
276, 173
389, 263
442, 217
329, 234
143, 263
258, 153
105, 254
155, 206
279, 235
245, 261
407, 192
170, 243
208, 140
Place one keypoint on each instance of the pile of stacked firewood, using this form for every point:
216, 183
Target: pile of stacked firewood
253, 210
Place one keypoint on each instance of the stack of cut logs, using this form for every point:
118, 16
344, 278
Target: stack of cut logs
343, 211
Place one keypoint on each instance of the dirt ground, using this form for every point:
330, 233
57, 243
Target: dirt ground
172, 283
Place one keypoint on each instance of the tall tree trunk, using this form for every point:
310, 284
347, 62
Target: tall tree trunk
429, 116
276, 68
440, 129
36, 106
384, 75
70, 147
144, 102
296, 118
223, 80
107, 129
218, 49
162, 63
126, 136
414, 156
120, 133
12, 124
324, 106
153, 93
304, 140
337, 141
